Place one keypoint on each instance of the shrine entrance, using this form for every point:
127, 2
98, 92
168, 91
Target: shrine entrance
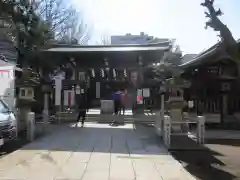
100, 71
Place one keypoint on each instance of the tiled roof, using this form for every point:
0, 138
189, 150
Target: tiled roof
212, 50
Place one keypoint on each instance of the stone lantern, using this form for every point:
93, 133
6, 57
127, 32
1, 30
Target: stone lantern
25, 101
175, 104
26, 93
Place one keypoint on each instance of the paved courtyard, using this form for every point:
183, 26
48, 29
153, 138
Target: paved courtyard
95, 152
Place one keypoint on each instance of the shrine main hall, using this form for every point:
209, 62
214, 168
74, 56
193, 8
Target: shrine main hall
102, 69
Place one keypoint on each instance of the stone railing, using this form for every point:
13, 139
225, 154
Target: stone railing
164, 126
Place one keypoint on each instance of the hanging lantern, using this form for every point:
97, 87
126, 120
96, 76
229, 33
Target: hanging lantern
93, 72
102, 72
114, 73
106, 61
125, 73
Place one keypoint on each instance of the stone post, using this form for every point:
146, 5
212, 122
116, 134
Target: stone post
159, 118
58, 97
45, 111
201, 129
30, 126
162, 113
167, 131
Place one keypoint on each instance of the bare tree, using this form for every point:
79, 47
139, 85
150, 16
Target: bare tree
55, 13
228, 43
75, 32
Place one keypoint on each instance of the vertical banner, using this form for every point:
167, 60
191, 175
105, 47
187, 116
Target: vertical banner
78, 89
146, 92
139, 96
73, 96
88, 82
69, 98
98, 93
58, 89
65, 97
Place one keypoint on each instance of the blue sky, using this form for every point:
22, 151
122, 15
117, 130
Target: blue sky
183, 20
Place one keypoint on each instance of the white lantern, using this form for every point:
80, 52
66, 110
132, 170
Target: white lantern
114, 73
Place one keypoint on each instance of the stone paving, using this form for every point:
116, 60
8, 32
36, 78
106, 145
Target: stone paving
95, 152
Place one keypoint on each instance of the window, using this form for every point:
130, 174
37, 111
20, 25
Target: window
23, 93
29, 92
73, 75
3, 107
81, 76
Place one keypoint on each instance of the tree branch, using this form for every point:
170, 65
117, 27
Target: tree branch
228, 41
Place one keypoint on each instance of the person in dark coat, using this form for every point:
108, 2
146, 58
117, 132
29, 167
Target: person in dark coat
82, 109
88, 99
117, 101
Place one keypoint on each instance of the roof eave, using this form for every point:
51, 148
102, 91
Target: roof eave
199, 59
123, 48
209, 52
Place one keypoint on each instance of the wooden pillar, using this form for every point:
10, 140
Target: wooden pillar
224, 105
46, 111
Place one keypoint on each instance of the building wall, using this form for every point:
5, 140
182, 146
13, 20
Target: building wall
133, 39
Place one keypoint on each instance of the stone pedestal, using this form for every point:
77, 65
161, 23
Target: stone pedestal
176, 116
107, 106
22, 117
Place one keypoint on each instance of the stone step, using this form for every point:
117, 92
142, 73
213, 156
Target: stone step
108, 119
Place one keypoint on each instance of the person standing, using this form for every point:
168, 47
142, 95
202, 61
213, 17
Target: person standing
82, 108
117, 101
123, 101
116, 96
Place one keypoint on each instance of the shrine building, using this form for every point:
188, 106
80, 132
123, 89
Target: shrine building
102, 69
215, 86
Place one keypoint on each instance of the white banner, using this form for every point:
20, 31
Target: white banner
139, 92
146, 92
58, 89
69, 98
78, 89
